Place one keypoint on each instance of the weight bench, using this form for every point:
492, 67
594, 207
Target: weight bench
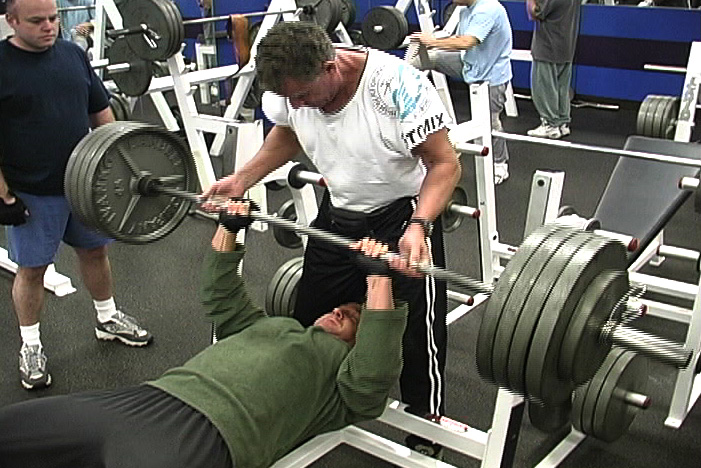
643, 195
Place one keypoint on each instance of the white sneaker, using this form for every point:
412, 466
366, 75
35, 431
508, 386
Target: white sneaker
565, 129
545, 131
501, 172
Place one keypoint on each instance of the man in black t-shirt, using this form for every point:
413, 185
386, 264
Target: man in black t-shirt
49, 99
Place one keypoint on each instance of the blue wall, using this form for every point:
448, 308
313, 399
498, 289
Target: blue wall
614, 43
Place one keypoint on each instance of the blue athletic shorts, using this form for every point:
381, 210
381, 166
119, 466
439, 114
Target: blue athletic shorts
36, 242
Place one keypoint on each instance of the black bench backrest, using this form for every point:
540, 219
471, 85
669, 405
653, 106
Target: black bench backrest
642, 195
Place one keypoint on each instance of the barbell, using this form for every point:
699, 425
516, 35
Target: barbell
555, 312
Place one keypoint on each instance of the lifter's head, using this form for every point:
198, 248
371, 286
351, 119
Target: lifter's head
342, 321
296, 59
35, 23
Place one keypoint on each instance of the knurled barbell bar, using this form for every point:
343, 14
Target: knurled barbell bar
155, 29
554, 313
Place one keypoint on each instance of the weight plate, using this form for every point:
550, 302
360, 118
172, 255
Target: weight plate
158, 16
524, 308
656, 125
450, 220
177, 25
582, 351
284, 302
384, 27
114, 205
598, 254
668, 118
348, 12
593, 388
327, 14
642, 112
276, 286
286, 237
115, 108
613, 415
502, 290
549, 418
134, 82
126, 106
650, 117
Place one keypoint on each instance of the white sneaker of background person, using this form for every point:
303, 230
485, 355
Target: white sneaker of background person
545, 130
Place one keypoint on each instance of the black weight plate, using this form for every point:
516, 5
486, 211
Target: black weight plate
158, 16
134, 82
502, 290
101, 142
285, 237
71, 177
449, 220
174, 14
642, 114
348, 12
659, 117
384, 27
549, 418
668, 118
126, 106
598, 254
650, 117
582, 351
578, 397
613, 416
594, 388
287, 291
327, 14
276, 286
156, 151
116, 108
524, 308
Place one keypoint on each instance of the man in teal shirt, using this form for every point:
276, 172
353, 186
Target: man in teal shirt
479, 51
264, 388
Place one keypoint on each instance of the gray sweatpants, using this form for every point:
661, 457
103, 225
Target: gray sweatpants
449, 63
550, 90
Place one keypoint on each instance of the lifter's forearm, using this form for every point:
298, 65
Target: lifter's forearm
379, 293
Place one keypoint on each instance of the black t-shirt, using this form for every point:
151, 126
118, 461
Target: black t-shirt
45, 102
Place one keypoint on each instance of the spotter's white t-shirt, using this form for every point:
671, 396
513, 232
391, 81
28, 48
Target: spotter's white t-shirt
364, 150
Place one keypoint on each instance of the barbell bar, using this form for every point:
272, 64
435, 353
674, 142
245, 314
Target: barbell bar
552, 316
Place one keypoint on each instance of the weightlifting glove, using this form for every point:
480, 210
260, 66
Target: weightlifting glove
14, 214
235, 222
371, 266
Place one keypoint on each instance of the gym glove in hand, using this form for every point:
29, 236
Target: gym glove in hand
235, 214
14, 214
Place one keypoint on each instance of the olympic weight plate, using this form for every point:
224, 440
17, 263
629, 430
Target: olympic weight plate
549, 418
585, 396
502, 290
326, 14
582, 351
613, 415
450, 220
286, 237
123, 152
275, 305
525, 306
668, 118
651, 116
384, 27
165, 26
348, 12
598, 254
137, 79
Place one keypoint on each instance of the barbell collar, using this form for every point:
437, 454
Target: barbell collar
657, 348
340, 241
600, 149
638, 400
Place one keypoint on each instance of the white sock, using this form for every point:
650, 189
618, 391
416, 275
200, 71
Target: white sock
30, 334
105, 309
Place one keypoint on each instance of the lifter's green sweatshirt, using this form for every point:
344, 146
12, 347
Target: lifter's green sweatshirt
270, 384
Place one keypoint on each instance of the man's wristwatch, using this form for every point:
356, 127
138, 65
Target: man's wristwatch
425, 224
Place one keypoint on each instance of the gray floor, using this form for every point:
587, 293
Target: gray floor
159, 284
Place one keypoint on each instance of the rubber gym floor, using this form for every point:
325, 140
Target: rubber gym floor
158, 283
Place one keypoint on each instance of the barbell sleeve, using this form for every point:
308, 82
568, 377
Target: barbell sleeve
340, 241
654, 347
